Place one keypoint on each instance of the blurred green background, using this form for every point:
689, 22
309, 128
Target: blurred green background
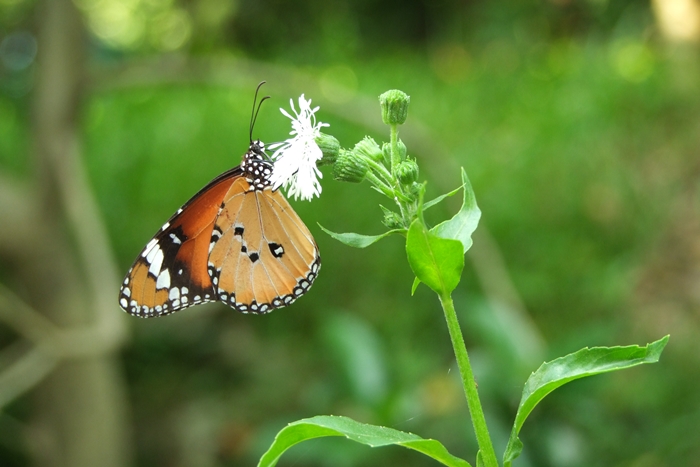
578, 122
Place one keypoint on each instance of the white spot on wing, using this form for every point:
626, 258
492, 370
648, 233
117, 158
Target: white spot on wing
156, 261
163, 281
174, 294
149, 247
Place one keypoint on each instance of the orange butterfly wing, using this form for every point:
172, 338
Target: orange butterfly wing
171, 271
234, 242
263, 257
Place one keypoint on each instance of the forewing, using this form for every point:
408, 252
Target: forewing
171, 272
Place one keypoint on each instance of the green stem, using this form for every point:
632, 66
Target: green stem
395, 157
480, 429
380, 185
381, 170
390, 192
402, 200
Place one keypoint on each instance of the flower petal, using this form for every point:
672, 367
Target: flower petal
295, 159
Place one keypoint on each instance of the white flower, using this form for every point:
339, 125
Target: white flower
295, 159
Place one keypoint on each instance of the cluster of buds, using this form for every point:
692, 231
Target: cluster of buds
387, 167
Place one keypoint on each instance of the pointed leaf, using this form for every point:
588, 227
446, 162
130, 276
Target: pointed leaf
464, 223
585, 362
416, 283
358, 240
435, 201
437, 262
371, 435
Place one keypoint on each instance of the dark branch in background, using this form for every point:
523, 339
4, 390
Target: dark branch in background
19, 208
56, 240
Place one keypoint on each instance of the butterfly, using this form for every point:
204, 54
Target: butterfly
237, 241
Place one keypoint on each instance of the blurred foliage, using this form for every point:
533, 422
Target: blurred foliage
579, 132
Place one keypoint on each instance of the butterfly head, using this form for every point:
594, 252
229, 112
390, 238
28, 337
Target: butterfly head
256, 166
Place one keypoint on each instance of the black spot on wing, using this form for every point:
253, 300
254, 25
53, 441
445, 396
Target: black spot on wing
276, 249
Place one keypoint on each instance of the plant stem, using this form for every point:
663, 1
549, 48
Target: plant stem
465, 370
380, 185
395, 157
401, 199
381, 170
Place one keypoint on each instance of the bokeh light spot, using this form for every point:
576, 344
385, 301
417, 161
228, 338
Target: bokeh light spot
171, 29
632, 60
117, 23
339, 84
500, 56
18, 50
679, 20
450, 62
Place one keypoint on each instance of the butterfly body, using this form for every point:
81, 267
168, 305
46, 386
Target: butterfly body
236, 241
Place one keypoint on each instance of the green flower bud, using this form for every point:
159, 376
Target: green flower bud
402, 149
392, 220
369, 148
330, 147
415, 188
349, 167
394, 104
407, 172
386, 152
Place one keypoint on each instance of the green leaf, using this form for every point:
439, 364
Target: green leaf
371, 435
435, 201
416, 283
464, 223
437, 262
358, 240
585, 362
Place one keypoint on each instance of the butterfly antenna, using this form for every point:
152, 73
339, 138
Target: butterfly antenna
256, 111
